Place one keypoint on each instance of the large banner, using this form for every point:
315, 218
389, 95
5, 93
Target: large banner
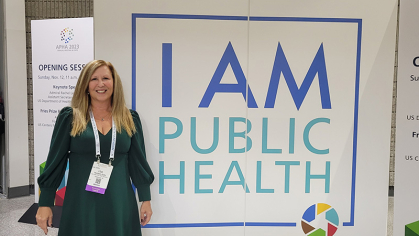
60, 49
406, 211
260, 119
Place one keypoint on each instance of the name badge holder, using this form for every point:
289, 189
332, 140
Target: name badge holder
101, 173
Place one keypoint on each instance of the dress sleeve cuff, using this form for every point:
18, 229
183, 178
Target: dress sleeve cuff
47, 197
144, 192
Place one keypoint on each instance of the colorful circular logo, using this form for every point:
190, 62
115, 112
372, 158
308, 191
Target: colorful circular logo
66, 35
320, 220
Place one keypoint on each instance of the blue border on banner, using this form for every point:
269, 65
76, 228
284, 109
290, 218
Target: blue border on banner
194, 225
256, 18
224, 224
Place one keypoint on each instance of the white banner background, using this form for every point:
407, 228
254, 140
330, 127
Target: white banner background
60, 49
406, 189
197, 46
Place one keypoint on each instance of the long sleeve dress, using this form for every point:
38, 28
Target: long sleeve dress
86, 213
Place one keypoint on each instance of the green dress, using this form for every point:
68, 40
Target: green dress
86, 213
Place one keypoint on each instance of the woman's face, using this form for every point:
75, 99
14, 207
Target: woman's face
101, 85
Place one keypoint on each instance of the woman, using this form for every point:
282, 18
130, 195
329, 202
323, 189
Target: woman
98, 105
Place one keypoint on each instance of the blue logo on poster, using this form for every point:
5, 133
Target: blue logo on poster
67, 35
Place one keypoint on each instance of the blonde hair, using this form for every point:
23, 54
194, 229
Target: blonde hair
81, 101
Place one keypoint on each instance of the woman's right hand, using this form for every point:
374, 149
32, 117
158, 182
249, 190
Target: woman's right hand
44, 218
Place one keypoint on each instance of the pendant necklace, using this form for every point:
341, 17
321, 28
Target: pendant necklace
103, 118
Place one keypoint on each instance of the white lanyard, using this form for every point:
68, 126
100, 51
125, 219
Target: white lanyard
97, 141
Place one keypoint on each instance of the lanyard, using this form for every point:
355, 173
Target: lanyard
97, 141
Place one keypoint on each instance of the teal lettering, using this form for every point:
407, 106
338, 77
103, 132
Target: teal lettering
214, 139
233, 135
162, 134
307, 133
287, 165
180, 177
265, 148
198, 176
326, 177
259, 180
234, 165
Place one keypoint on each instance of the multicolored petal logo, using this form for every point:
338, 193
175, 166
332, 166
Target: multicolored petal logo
320, 220
67, 35
59, 195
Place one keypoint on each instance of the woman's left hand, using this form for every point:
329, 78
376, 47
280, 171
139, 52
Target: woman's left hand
145, 212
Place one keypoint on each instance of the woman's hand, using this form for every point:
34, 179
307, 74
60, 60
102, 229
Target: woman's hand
145, 212
44, 218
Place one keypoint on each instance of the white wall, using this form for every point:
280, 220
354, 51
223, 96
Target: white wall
15, 88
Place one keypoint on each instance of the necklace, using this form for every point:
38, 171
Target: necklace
105, 117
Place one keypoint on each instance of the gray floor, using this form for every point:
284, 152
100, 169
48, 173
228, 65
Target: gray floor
12, 209
10, 212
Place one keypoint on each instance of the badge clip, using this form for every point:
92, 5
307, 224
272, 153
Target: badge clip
98, 158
